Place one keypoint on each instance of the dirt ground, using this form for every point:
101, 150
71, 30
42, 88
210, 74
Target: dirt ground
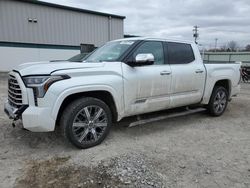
195, 150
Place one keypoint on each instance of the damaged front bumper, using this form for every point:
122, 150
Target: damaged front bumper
14, 113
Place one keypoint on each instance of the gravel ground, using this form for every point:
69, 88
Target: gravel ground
195, 150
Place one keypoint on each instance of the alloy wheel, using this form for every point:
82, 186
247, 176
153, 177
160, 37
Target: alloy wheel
89, 124
220, 101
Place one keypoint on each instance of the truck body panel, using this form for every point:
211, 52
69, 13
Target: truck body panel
134, 89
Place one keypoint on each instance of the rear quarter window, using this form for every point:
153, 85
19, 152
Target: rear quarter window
179, 53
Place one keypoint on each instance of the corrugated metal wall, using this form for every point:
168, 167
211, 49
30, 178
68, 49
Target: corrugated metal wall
55, 25
14, 56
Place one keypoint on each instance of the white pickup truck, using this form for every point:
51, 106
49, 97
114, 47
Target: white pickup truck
122, 78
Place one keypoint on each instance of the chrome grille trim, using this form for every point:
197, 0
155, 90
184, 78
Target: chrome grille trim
13, 88
11, 92
14, 92
14, 97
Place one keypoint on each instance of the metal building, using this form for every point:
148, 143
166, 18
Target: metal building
34, 30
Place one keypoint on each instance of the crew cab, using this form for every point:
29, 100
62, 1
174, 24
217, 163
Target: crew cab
122, 78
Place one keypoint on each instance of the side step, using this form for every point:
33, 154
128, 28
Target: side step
163, 117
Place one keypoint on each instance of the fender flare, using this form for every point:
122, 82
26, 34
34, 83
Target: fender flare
87, 88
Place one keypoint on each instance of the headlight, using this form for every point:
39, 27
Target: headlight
35, 80
41, 84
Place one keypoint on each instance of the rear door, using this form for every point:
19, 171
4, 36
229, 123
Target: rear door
147, 88
188, 74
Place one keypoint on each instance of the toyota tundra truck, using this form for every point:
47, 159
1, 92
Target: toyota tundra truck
122, 78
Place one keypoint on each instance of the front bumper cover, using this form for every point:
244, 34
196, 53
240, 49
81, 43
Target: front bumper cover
35, 119
12, 112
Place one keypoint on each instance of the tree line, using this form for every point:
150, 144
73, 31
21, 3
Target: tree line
231, 46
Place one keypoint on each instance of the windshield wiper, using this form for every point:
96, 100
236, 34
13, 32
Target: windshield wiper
76, 61
56, 60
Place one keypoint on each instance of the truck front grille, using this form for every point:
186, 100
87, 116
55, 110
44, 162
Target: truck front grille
14, 92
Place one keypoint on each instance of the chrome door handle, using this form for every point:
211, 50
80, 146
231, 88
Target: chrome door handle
165, 73
199, 71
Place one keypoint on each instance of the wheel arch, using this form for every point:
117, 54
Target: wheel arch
107, 96
226, 83
218, 108
102, 95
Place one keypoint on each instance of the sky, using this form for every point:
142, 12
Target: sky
225, 20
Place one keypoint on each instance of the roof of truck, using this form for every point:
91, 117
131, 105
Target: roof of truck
159, 39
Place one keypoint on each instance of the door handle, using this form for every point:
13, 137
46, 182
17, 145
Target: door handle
199, 71
165, 73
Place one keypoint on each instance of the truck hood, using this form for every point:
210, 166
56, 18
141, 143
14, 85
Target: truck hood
47, 67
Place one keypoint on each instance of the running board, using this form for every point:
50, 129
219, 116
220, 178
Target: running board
163, 117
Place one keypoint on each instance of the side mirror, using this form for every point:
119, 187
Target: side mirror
143, 59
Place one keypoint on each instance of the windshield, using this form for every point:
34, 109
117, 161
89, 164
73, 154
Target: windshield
78, 57
111, 51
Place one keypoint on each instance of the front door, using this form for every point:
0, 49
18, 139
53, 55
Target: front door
147, 88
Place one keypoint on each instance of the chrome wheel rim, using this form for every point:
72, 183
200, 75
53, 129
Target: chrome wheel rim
220, 101
90, 124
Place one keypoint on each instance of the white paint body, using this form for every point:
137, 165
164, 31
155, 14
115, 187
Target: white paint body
135, 90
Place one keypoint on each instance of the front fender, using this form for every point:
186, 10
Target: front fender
87, 88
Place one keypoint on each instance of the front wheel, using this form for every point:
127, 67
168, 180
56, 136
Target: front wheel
218, 101
86, 122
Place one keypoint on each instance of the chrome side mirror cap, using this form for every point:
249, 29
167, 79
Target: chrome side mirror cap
144, 59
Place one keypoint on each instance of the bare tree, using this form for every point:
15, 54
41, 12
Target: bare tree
223, 48
232, 45
247, 48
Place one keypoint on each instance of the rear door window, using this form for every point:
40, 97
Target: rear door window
179, 53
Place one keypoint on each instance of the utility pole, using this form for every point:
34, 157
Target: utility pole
195, 33
215, 44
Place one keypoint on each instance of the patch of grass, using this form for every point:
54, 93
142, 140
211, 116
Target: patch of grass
56, 173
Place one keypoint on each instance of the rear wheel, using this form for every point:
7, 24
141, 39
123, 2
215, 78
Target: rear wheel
218, 101
86, 122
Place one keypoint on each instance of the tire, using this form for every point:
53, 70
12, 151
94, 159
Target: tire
218, 101
86, 122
